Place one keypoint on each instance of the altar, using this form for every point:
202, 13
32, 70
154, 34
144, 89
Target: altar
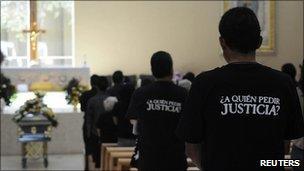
48, 79
66, 138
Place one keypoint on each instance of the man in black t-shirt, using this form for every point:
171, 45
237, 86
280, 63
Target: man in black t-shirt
157, 109
84, 99
241, 112
125, 136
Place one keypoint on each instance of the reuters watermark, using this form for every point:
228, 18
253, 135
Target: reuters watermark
280, 163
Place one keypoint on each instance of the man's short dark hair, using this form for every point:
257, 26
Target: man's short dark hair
290, 69
117, 77
161, 64
240, 29
94, 80
102, 83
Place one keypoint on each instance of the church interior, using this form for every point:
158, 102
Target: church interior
52, 48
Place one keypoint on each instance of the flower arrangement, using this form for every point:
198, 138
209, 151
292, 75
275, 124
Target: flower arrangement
7, 90
35, 107
74, 91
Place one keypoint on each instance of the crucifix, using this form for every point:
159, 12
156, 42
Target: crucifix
34, 31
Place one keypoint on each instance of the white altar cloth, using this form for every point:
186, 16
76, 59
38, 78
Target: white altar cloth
55, 100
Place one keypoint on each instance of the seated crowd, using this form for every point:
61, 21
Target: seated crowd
227, 110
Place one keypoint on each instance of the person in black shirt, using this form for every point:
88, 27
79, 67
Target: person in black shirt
118, 80
290, 70
157, 108
99, 122
297, 149
124, 127
243, 111
84, 98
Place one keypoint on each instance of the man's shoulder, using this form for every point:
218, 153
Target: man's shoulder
179, 89
276, 73
206, 75
220, 72
87, 93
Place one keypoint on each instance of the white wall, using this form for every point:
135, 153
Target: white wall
124, 34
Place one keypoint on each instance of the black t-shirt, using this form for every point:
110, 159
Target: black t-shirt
114, 91
242, 113
124, 127
157, 107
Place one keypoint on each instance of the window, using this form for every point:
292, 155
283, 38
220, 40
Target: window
55, 46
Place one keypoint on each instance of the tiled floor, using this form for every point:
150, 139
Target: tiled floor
56, 162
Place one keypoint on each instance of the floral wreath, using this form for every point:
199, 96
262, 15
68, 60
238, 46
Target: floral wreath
35, 107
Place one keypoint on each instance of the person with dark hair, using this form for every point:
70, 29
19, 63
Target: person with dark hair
297, 149
241, 113
99, 122
290, 70
156, 108
118, 80
118, 77
145, 82
84, 98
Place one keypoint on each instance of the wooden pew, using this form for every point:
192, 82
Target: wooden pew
123, 164
103, 151
114, 156
109, 150
135, 169
191, 165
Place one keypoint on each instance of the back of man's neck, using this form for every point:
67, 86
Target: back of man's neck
164, 79
242, 61
235, 57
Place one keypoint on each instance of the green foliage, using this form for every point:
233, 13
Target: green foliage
74, 91
7, 90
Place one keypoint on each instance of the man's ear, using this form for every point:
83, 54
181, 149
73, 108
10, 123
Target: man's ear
260, 42
222, 43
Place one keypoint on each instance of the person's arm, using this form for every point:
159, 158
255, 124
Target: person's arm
133, 121
134, 109
82, 102
194, 152
190, 128
135, 105
116, 112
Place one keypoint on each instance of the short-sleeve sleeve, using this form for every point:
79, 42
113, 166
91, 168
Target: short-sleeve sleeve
294, 121
190, 128
134, 108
